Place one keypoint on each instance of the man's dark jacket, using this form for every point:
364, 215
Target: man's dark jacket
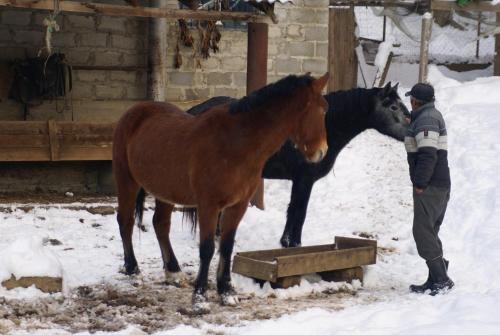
427, 147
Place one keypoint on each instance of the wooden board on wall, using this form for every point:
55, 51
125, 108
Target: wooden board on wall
55, 141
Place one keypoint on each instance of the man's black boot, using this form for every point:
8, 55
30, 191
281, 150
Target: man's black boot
427, 285
440, 280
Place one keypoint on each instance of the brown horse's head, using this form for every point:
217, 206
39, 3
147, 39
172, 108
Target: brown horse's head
310, 135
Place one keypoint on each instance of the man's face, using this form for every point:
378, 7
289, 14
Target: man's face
414, 104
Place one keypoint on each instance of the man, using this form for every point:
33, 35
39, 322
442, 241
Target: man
426, 145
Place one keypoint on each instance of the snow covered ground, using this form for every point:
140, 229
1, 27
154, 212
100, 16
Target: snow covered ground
368, 192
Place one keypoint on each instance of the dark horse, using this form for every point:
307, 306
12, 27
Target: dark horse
212, 162
350, 113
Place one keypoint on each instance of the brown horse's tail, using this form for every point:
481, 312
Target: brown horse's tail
139, 208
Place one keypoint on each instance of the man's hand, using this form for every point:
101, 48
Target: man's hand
419, 190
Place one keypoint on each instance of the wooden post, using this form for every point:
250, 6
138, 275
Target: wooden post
496, 66
342, 61
257, 78
257, 56
425, 39
384, 29
157, 55
478, 33
386, 69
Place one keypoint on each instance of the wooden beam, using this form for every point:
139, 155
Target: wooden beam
473, 6
157, 55
109, 68
257, 44
386, 69
374, 3
425, 39
342, 61
118, 10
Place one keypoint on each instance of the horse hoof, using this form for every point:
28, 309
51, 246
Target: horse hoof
177, 279
285, 241
129, 271
229, 299
200, 304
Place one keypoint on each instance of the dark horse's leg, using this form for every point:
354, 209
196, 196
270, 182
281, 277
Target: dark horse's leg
230, 221
127, 193
207, 221
161, 223
296, 215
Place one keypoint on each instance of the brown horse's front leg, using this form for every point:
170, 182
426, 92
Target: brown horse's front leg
208, 221
230, 221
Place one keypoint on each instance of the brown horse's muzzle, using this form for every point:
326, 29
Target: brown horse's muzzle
319, 154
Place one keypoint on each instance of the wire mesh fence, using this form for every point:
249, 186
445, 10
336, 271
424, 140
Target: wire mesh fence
455, 37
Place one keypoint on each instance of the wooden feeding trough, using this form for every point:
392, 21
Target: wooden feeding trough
340, 261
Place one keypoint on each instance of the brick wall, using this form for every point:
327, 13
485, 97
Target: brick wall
298, 44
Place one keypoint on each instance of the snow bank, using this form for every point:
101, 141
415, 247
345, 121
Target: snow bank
28, 257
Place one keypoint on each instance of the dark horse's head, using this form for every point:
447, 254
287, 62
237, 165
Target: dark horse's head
388, 113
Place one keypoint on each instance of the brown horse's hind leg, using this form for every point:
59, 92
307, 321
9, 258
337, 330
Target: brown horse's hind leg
126, 205
161, 223
207, 221
230, 221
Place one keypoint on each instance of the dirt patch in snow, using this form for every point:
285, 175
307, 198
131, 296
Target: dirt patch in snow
52, 198
150, 304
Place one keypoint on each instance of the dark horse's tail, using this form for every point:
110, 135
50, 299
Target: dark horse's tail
139, 209
190, 214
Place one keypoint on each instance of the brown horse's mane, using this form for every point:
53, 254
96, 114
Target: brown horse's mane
270, 93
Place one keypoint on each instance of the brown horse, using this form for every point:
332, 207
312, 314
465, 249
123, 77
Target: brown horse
213, 162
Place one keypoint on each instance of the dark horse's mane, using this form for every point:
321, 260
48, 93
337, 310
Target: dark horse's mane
357, 99
280, 89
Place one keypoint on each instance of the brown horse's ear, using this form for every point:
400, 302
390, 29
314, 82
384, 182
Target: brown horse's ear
320, 83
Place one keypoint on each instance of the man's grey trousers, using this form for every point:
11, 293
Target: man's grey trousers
429, 209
